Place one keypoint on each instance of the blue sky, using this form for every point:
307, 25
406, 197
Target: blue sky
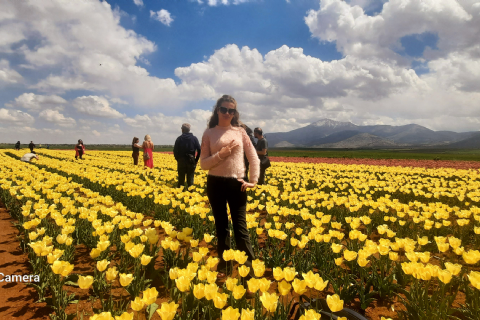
288, 64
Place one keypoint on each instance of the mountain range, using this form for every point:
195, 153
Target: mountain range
327, 133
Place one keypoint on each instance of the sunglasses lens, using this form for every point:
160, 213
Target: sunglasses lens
231, 111
223, 110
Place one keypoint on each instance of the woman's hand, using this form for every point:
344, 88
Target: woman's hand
227, 150
246, 185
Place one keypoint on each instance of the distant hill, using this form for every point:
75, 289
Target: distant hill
361, 140
470, 143
327, 133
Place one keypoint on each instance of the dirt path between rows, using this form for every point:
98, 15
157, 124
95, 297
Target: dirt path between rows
17, 301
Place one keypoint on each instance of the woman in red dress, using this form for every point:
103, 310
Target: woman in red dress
79, 149
147, 151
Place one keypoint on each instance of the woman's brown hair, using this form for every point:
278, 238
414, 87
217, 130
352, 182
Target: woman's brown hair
213, 122
135, 140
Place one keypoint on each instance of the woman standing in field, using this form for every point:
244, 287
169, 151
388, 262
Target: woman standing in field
223, 146
79, 149
135, 150
148, 147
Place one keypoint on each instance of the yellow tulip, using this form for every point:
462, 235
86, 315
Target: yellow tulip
284, 288
137, 250
269, 301
300, 286
220, 300
454, 268
264, 284
125, 279
150, 296
167, 311
125, 316
85, 282
210, 291
339, 261
137, 304
183, 283
230, 314
243, 271
289, 273
238, 292
349, 255
145, 260
313, 315
111, 273
474, 278
445, 276
336, 248
334, 303
471, 257
240, 256
230, 283
248, 314
208, 237
253, 285
199, 291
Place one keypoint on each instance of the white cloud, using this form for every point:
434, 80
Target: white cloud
56, 117
95, 106
36, 102
15, 117
138, 2
163, 16
118, 101
7, 74
214, 3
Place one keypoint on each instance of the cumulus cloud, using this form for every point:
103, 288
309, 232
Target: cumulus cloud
36, 102
7, 74
95, 106
56, 117
163, 16
15, 117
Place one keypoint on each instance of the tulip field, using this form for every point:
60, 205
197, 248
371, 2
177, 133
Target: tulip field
402, 240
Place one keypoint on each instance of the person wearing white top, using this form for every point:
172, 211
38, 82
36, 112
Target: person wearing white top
29, 156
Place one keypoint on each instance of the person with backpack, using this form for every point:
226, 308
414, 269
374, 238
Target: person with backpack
252, 140
187, 152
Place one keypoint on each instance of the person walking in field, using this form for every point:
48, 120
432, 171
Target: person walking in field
79, 150
17, 145
186, 146
148, 147
262, 147
135, 150
31, 146
223, 145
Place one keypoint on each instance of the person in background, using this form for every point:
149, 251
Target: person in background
252, 140
186, 146
262, 147
31, 146
223, 145
148, 147
79, 150
17, 145
135, 150
48, 146
28, 156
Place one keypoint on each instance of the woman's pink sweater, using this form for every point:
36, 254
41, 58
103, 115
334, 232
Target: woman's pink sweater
233, 166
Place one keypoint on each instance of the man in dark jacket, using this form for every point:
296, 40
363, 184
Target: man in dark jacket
31, 146
184, 151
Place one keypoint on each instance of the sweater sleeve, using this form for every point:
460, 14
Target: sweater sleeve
252, 158
207, 160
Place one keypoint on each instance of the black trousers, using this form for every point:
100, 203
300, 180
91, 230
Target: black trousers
80, 154
221, 191
261, 178
135, 157
185, 169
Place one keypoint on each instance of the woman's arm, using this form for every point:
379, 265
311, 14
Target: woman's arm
207, 160
252, 158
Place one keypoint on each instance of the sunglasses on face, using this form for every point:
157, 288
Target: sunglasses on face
224, 110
